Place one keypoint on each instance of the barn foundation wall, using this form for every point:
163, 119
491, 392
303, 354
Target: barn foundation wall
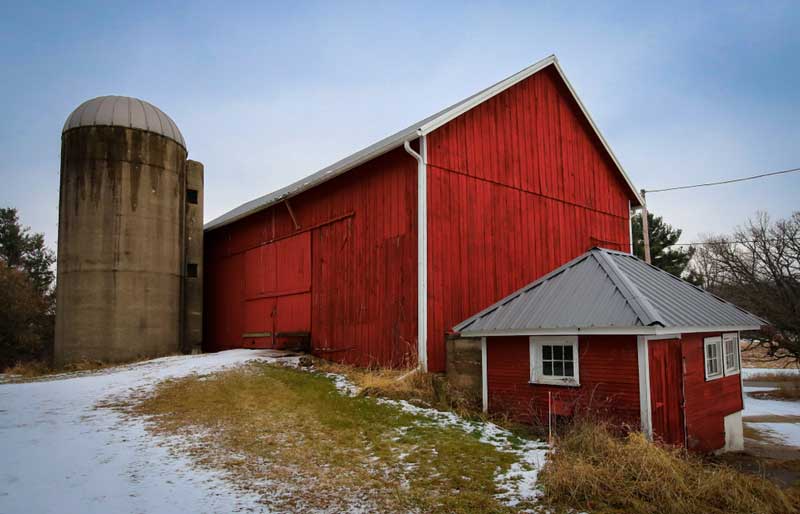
464, 365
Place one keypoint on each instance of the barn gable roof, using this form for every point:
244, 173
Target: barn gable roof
605, 289
410, 133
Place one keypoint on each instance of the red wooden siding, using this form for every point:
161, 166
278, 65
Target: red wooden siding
517, 186
666, 390
349, 273
707, 402
609, 379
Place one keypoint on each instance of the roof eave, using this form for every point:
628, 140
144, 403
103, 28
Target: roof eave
324, 175
420, 129
498, 88
652, 330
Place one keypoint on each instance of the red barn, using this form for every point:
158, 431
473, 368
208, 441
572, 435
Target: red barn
377, 256
608, 332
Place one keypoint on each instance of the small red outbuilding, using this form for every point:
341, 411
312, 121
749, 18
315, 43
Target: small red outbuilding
608, 332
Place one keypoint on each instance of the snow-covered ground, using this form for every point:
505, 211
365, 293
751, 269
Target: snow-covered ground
782, 421
58, 453
749, 373
786, 433
756, 407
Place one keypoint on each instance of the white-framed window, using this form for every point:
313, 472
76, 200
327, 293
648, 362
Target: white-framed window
554, 360
730, 347
713, 357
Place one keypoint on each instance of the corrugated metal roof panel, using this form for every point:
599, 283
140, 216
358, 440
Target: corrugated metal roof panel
607, 289
680, 303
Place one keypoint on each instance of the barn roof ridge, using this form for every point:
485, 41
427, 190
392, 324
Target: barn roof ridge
410, 133
620, 290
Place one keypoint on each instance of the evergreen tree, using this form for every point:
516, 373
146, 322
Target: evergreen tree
673, 259
27, 319
20, 249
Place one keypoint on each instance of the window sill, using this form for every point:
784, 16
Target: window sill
714, 377
559, 383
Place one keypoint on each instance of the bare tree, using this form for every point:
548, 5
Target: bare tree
758, 268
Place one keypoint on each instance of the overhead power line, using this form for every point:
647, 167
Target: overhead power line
721, 242
731, 181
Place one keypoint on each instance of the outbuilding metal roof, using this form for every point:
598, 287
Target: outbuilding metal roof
410, 133
606, 289
124, 111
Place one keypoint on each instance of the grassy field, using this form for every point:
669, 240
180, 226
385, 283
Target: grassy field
293, 438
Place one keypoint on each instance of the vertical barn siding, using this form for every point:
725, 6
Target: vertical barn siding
362, 230
707, 402
517, 186
609, 379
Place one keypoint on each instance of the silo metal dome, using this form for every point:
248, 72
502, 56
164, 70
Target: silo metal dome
124, 111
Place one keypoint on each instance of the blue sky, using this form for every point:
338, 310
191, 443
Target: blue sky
268, 93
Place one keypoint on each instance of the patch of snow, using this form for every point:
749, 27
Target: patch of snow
787, 433
748, 373
758, 407
63, 454
342, 384
518, 483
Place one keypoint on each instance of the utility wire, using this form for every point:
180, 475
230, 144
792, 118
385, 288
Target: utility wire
720, 242
731, 181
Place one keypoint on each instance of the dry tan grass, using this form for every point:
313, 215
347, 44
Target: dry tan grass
36, 369
596, 471
289, 436
426, 388
29, 369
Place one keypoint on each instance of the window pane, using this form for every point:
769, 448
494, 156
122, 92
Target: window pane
558, 352
568, 353
558, 369
547, 352
547, 368
568, 369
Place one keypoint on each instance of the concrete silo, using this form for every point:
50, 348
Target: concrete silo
124, 273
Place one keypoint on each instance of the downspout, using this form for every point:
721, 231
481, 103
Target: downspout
422, 253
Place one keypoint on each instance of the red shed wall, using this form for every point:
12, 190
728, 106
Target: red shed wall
517, 186
707, 402
609, 379
361, 230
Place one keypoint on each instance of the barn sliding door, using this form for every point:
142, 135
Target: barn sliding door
666, 391
277, 292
